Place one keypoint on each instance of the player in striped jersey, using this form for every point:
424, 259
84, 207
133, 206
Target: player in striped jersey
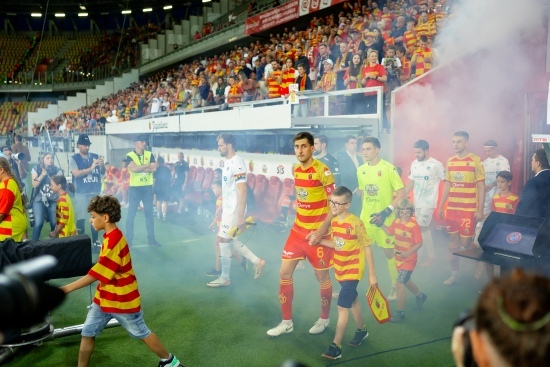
465, 190
13, 223
65, 214
117, 295
314, 184
351, 246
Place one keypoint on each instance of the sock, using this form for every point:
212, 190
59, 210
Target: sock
167, 359
286, 294
245, 251
392, 267
419, 295
225, 259
326, 298
453, 247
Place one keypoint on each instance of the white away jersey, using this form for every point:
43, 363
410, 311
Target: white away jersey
492, 167
234, 172
426, 176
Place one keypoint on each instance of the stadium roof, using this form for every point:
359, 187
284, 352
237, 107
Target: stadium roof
26, 7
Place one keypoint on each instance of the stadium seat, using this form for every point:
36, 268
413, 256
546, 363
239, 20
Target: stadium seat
251, 180
259, 189
269, 209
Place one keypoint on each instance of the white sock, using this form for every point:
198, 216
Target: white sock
245, 251
225, 259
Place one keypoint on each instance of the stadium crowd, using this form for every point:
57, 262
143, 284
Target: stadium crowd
332, 50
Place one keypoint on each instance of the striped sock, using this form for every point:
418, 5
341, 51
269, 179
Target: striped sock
326, 298
286, 294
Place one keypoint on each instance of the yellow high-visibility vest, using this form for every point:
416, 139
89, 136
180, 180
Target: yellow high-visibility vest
140, 178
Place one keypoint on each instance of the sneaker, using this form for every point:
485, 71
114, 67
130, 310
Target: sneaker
164, 218
282, 328
398, 317
172, 362
155, 244
158, 216
219, 283
244, 264
333, 352
123, 203
258, 268
420, 301
393, 295
360, 335
453, 279
319, 326
213, 273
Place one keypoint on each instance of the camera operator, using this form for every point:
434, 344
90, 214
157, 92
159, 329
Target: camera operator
19, 147
43, 199
17, 165
510, 325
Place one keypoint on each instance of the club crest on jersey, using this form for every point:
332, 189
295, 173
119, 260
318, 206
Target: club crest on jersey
310, 176
339, 243
327, 172
428, 167
348, 230
513, 237
302, 193
371, 189
459, 176
426, 178
388, 241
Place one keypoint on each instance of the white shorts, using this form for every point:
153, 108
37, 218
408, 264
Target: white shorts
227, 222
424, 216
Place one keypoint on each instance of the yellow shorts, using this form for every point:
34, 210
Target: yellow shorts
379, 236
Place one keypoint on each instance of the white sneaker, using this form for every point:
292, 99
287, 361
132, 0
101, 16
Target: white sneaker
319, 326
453, 279
393, 295
219, 283
258, 268
282, 328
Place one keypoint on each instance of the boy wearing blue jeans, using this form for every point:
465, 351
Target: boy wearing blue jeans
117, 294
352, 248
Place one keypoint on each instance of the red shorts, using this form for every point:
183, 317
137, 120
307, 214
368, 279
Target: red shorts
298, 248
460, 221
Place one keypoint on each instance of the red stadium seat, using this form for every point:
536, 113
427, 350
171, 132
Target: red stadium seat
269, 209
259, 189
194, 192
251, 180
207, 193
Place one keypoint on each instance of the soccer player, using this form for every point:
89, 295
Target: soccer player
314, 184
425, 177
465, 190
351, 245
408, 239
117, 295
320, 153
233, 209
65, 214
378, 180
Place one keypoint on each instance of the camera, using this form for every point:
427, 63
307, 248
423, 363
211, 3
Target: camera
18, 156
26, 300
466, 320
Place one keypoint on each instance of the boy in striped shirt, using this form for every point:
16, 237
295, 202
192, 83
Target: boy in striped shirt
351, 246
117, 294
66, 224
504, 201
408, 240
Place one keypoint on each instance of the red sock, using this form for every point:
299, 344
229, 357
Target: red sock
326, 298
286, 294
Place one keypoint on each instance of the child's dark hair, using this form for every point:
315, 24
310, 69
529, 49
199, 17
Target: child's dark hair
217, 183
219, 170
343, 191
106, 205
61, 180
160, 161
508, 176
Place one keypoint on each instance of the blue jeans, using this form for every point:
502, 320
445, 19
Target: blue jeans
40, 211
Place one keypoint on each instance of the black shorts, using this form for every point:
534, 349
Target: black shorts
403, 276
176, 190
348, 293
162, 193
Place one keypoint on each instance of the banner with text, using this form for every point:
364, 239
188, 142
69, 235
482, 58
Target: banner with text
310, 6
272, 18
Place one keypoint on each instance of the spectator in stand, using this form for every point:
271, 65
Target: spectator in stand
422, 57
328, 81
259, 68
271, 81
409, 37
287, 77
405, 74
301, 59
373, 75
322, 57
205, 94
248, 86
398, 31
356, 45
352, 80
235, 93
219, 91
304, 83
393, 70
341, 65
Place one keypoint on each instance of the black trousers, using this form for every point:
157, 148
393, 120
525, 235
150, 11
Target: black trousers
145, 195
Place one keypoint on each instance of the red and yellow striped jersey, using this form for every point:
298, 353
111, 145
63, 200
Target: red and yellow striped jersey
407, 235
65, 215
314, 185
463, 175
11, 205
117, 291
423, 59
350, 238
505, 204
409, 41
273, 89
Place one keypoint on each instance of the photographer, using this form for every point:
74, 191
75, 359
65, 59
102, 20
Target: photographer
510, 325
17, 166
43, 199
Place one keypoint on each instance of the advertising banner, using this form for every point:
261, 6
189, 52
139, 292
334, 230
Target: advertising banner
272, 18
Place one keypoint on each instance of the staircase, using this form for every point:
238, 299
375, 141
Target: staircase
60, 62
